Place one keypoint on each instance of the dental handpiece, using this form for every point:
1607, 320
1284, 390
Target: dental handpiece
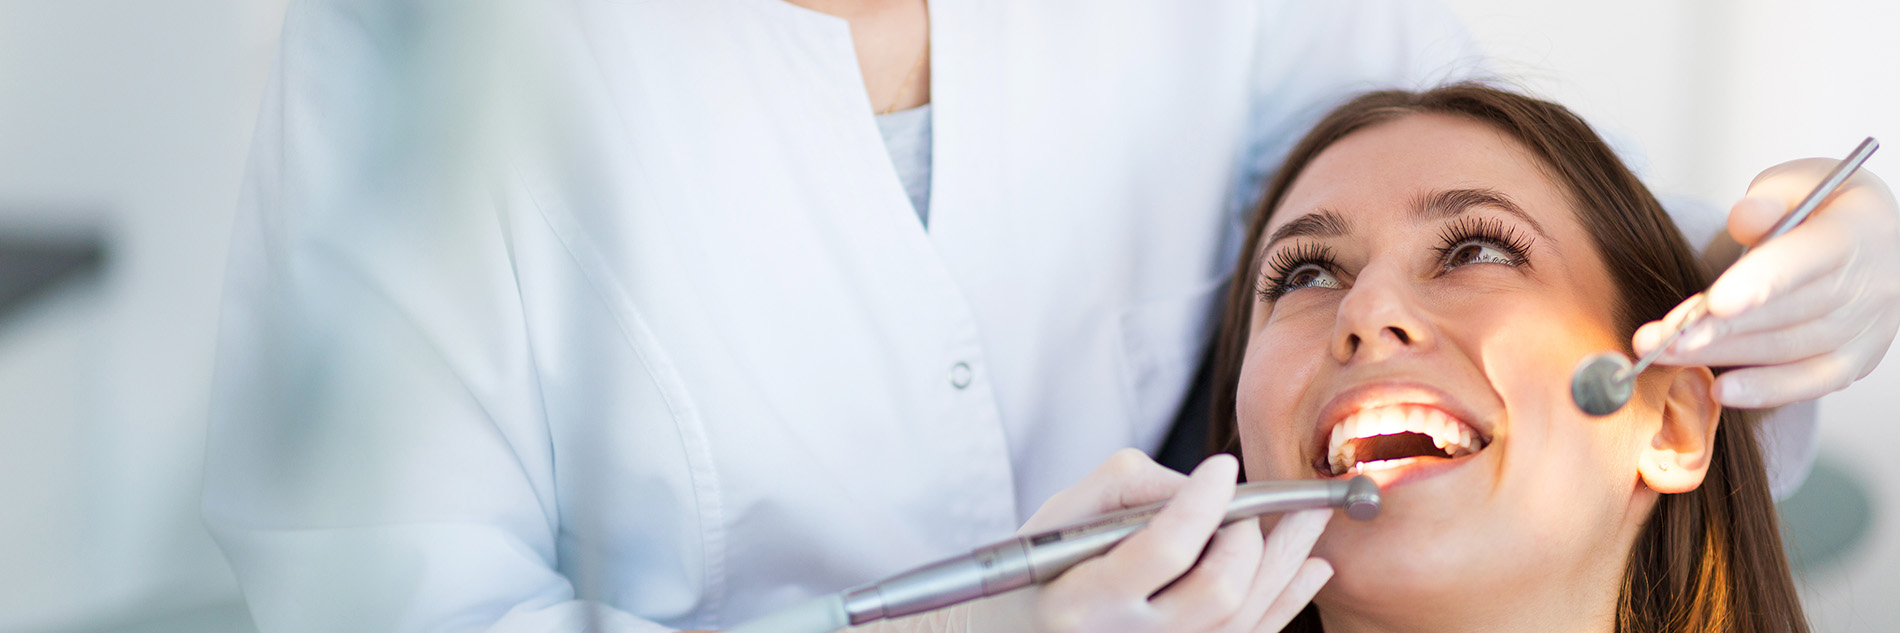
1039, 558
1603, 382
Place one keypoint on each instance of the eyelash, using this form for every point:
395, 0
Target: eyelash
1487, 231
1460, 233
1290, 260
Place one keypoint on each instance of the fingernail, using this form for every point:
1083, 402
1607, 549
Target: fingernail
1644, 340
1325, 574
1654, 337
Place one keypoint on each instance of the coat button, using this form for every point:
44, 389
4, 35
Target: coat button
960, 375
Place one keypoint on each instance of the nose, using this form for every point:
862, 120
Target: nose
1378, 319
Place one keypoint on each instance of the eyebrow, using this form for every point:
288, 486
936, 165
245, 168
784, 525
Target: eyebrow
1445, 203
1321, 223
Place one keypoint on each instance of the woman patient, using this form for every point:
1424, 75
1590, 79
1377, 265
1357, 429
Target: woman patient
1425, 273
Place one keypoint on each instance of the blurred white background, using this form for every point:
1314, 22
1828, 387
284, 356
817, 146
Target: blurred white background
129, 120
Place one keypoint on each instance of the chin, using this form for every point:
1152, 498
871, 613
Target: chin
1375, 566
1428, 551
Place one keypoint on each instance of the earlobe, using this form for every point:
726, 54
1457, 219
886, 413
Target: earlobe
1678, 455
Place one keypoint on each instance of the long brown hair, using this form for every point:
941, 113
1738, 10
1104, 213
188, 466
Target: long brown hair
1706, 560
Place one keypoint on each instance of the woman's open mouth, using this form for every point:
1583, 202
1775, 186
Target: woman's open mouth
1392, 436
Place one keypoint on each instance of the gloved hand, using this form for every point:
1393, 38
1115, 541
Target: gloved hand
1242, 583
1808, 313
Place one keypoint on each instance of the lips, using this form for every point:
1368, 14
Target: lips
1392, 425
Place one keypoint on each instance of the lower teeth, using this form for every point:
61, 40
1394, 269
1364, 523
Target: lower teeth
1384, 464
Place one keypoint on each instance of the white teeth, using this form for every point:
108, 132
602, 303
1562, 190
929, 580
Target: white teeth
1448, 434
1387, 464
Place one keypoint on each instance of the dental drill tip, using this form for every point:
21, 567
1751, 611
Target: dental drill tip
1362, 499
1601, 385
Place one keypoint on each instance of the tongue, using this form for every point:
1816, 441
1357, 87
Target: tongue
1395, 446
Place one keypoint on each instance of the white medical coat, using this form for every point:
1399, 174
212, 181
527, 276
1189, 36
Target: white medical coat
708, 363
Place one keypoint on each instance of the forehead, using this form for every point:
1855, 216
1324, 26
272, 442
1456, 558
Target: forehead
1371, 172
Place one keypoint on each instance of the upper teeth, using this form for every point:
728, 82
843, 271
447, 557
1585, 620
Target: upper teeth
1448, 433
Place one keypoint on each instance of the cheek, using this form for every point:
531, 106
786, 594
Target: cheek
1551, 444
1282, 361
1528, 346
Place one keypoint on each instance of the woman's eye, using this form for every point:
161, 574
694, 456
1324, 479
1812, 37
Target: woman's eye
1478, 253
1310, 276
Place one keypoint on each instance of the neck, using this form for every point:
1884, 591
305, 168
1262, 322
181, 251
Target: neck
1583, 601
1561, 615
1578, 597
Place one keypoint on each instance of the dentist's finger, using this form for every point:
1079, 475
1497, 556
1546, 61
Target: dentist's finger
1808, 253
1655, 332
1757, 212
1126, 479
1312, 576
1778, 189
1808, 303
1713, 342
1218, 584
1167, 547
1776, 385
1284, 555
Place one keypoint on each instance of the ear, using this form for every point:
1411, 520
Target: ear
1679, 454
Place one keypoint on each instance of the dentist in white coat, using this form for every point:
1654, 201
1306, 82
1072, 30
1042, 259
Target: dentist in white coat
744, 340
